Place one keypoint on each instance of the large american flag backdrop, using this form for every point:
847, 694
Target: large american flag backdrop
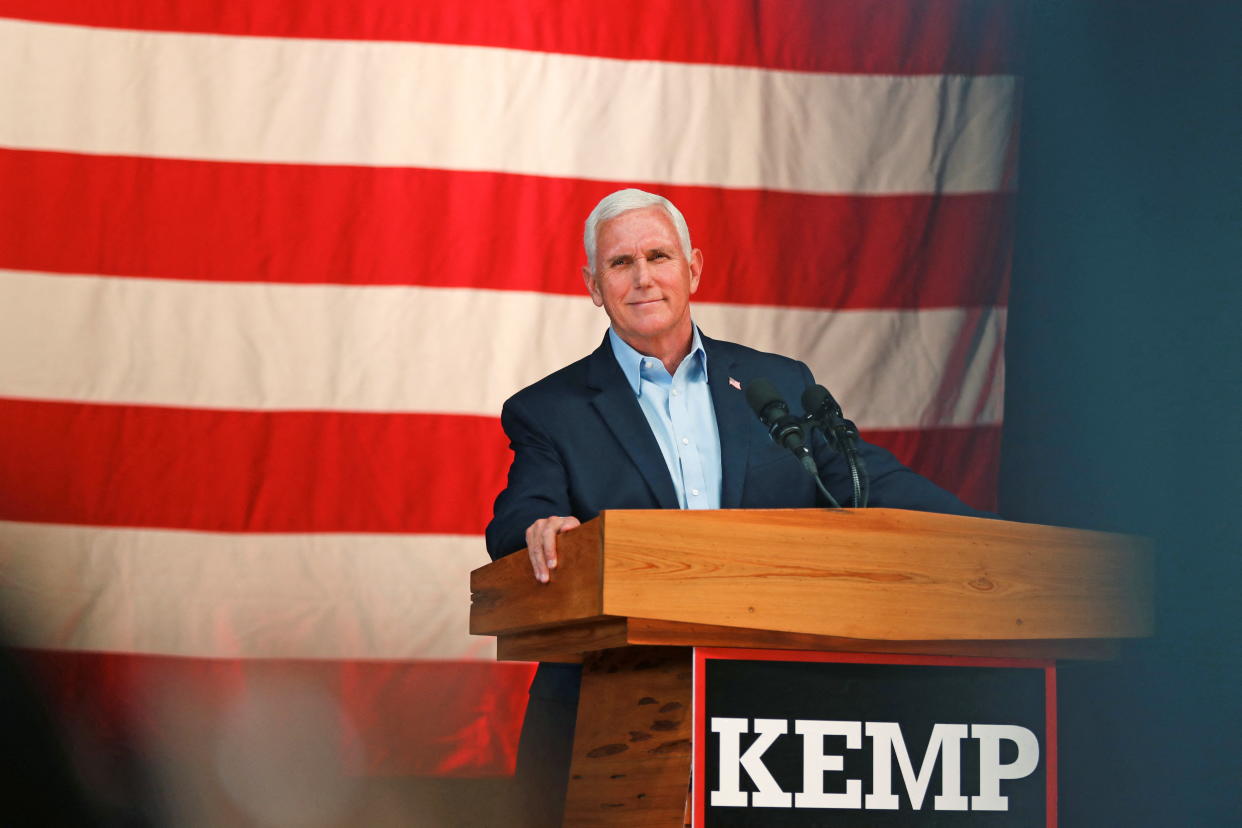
268, 269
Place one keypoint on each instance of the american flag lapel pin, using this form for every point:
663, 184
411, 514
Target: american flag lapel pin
735, 383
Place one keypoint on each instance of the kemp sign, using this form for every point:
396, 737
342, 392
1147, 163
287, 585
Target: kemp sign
829, 739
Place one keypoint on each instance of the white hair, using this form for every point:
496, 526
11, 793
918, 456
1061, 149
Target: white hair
623, 201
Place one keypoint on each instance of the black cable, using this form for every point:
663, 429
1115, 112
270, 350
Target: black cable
857, 484
809, 465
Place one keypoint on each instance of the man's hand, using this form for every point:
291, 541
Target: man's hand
541, 543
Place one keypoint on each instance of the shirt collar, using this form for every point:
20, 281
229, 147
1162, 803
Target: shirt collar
631, 360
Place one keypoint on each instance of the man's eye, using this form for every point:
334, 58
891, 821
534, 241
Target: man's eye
659, 254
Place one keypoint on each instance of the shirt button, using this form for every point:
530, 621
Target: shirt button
685, 441
675, 392
694, 492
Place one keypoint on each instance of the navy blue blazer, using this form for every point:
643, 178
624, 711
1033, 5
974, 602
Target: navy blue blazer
581, 444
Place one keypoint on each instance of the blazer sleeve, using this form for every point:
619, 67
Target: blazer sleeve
538, 483
892, 484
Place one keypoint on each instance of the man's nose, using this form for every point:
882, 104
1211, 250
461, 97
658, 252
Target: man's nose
642, 273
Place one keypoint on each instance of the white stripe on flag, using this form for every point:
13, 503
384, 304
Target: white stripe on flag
219, 97
218, 595
383, 348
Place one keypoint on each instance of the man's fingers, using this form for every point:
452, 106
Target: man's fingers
550, 530
541, 544
537, 566
556, 525
534, 548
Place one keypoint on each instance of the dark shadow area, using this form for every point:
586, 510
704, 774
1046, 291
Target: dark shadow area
39, 784
1124, 387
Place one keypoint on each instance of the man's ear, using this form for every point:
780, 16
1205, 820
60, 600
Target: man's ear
696, 269
592, 286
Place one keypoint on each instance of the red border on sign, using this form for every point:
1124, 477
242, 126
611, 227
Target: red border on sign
702, 654
1050, 729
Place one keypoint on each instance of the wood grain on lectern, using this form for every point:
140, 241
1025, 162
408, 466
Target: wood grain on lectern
505, 597
632, 745
881, 574
869, 574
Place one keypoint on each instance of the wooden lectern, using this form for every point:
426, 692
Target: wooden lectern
635, 590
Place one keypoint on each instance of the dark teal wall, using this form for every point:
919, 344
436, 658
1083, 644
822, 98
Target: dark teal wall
1124, 380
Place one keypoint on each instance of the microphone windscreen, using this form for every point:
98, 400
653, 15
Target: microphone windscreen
813, 397
760, 393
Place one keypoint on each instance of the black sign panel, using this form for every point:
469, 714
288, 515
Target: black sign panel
795, 739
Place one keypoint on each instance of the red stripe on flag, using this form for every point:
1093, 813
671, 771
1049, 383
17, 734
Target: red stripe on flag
291, 223
854, 36
246, 471
415, 718
299, 471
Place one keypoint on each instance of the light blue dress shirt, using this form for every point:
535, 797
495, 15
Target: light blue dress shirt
681, 415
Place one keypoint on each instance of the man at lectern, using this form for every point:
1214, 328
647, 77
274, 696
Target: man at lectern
656, 417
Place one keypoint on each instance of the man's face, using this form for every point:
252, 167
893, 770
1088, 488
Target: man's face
642, 279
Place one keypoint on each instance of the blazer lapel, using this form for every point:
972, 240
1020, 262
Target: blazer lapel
734, 421
620, 411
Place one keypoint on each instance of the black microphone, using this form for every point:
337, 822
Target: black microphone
784, 428
823, 411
